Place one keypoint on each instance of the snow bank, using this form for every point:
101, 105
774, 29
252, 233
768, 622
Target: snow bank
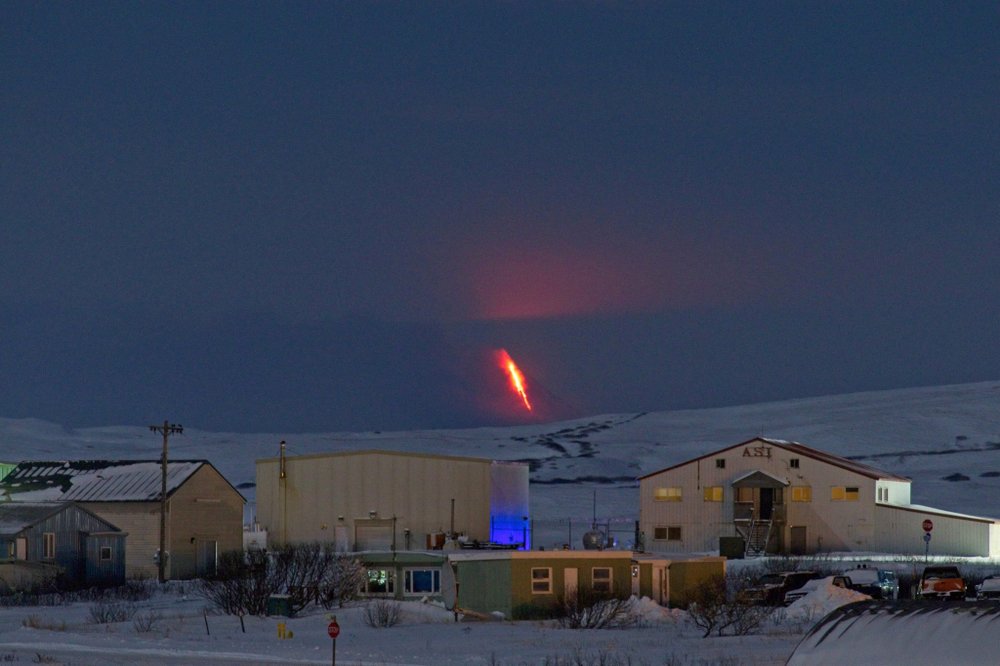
825, 599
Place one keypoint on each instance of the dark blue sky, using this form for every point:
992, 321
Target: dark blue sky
322, 216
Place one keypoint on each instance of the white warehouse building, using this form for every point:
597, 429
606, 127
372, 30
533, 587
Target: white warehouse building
391, 500
775, 496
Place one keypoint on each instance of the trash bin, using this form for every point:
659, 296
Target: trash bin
279, 604
733, 548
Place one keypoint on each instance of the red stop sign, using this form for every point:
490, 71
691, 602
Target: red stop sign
928, 525
333, 629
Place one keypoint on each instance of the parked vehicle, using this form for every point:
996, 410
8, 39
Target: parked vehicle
816, 584
941, 582
989, 588
876, 583
770, 589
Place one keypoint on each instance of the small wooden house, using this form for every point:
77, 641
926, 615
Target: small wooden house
79, 545
204, 511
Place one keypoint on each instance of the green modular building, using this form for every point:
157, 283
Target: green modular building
515, 582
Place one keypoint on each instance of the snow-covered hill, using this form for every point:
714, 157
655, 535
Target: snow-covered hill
934, 435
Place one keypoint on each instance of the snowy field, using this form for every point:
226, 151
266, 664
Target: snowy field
947, 439
183, 634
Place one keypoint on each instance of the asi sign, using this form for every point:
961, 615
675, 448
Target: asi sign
927, 525
333, 629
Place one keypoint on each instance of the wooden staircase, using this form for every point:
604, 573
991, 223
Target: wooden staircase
756, 534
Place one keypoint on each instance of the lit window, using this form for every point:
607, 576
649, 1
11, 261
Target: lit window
422, 581
667, 494
105, 553
380, 581
673, 534
720, 463
802, 494
844, 493
601, 577
713, 493
49, 546
794, 463
541, 580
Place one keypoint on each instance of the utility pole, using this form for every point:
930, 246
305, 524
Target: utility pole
166, 430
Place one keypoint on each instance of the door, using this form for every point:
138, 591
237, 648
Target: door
374, 534
208, 553
571, 584
797, 539
766, 503
340, 540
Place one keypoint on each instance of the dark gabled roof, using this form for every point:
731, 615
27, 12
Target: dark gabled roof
96, 480
16, 516
802, 450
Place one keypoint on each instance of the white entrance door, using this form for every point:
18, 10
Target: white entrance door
570, 583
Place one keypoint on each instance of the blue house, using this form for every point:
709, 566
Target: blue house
83, 548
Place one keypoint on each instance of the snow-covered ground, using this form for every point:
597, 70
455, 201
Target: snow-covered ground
947, 439
427, 635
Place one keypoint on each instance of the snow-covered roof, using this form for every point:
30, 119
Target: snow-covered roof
919, 508
913, 632
15, 516
800, 449
95, 480
758, 474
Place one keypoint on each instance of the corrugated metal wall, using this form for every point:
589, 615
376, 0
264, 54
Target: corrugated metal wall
830, 525
322, 492
899, 531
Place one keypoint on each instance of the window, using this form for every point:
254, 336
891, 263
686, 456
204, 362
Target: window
541, 580
667, 494
720, 463
844, 493
713, 493
673, 533
105, 553
794, 463
601, 577
380, 581
883, 494
422, 581
49, 546
659, 533
802, 494
744, 494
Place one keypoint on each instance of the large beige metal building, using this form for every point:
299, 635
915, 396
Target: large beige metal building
382, 500
784, 497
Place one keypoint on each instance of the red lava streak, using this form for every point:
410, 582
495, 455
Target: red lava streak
517, 383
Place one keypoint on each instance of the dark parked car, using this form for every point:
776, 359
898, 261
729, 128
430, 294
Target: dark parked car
770, 589
876, 583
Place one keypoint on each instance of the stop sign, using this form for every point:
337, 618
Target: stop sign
928, 526
333, 629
